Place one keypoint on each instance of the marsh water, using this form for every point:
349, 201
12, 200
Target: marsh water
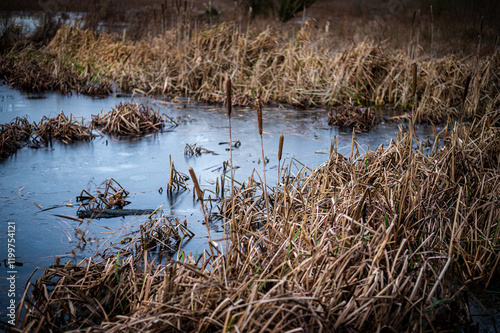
38, 184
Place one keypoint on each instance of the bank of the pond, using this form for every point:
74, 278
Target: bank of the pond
305, 67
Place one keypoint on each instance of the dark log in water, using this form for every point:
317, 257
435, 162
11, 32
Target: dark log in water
110, 213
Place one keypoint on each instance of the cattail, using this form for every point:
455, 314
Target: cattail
196, 185
466, 90
280, 147
414, 83
228, 93
258, 107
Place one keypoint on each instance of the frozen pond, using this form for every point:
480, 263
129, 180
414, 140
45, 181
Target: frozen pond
52, 177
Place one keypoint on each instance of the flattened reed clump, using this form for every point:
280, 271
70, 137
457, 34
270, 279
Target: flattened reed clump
131, 119
20, 132
359, 118
386, 239
63, 128
15, 135
107, 196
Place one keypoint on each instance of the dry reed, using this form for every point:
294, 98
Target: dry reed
386, 240
15, 135
176, 179
131, 119
20, 132
359, 118
63, 128
298, 69
109, 195
193, 150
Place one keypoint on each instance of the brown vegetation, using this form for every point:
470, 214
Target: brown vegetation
131, 119
20, 132
15, 135
111, 195
345, 53
388, 239
63, 128
298, 70
359, 118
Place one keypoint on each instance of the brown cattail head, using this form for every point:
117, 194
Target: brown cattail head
280, 147
228, 94
414, 83
258, 107
196, 185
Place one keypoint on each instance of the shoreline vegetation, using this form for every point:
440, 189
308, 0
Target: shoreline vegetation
307, 70
392, 239
311, 64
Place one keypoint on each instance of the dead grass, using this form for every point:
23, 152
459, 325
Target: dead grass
321, 62
359, 118
387, 239
305, 68
63, 128
20, 132
33, 76
108, 196
131, 119
15, 135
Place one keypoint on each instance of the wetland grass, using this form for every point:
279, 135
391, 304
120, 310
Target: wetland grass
385, 240
307, 68
359, 118
20, 132
15, 135
63, 128
131, 119
389, 239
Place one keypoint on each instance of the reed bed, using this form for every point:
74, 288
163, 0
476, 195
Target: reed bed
35, 72
32, 74
20, 132
131, 119
15, 135
385, 240
306, 67
359, 118
63, 128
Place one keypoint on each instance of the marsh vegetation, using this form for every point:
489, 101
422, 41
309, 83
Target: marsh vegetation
382, 238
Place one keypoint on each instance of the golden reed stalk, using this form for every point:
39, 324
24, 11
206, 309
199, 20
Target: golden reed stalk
229, 107
199, 193
258, 107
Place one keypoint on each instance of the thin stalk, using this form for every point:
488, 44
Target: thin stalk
258, 107
229, 106
199, 193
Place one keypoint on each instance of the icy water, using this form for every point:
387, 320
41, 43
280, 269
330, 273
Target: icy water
52, 177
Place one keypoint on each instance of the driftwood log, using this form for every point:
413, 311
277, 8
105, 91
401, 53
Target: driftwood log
109, 213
